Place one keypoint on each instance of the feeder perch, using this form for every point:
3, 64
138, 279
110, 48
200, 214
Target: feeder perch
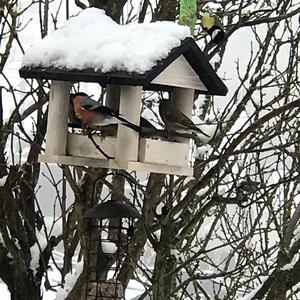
109, 226
184, 70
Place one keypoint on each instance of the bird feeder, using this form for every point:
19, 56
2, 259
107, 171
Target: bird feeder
108, 229
181, 71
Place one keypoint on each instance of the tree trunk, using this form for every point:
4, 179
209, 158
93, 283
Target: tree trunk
165, 262
166, 10
21, 288
114, 9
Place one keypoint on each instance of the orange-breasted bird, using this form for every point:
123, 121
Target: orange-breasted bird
91, 112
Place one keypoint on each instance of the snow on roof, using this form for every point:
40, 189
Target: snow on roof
94, 40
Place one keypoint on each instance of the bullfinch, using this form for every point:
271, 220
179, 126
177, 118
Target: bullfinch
91, 112
175, 119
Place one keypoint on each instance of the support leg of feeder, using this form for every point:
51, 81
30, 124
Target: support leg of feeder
112, 96
130, 109
57, 126
183, 99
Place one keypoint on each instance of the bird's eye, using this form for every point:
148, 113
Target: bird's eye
87, 106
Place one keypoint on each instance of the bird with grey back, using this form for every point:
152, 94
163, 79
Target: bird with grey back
176, 120
91, 112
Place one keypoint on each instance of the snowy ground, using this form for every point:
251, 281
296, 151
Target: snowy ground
134, 288
133, 291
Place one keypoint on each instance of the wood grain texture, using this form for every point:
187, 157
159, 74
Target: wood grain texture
57, 126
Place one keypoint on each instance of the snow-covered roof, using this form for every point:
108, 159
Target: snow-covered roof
93, 48
93, 40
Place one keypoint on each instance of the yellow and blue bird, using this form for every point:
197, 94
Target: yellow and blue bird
212, 25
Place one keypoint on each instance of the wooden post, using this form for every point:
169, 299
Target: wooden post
130, 109
57, 126
183, 99
112, 96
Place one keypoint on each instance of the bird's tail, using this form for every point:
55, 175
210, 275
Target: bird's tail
197, 130
132, 126
129, 124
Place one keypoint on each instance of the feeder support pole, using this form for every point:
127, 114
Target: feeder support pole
188, 13
57, 126
130, 109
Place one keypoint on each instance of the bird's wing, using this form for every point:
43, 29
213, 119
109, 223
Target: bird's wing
92, 105
104, 110
172, 116
108, 113
180, 118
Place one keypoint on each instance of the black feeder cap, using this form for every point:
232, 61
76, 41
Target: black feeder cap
112, 209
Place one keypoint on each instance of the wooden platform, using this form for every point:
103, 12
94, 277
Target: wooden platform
154, 155
114, 164
150, 150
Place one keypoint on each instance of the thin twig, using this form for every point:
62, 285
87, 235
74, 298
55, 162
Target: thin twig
90, 136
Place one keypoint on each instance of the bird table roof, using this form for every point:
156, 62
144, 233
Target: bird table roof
91, 47
112, 209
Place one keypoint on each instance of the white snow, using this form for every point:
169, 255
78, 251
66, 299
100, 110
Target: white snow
203, 191
135, 289
109, 247
290, 265
3, 180
209, 129
70, 281
291, 149
296, 236
36, 249
202, 150
1, 239
94, 40
4, 292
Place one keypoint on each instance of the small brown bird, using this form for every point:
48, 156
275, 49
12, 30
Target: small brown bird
176, 120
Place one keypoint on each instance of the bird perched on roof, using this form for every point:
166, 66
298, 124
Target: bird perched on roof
175, 119
212, 25
91, 112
